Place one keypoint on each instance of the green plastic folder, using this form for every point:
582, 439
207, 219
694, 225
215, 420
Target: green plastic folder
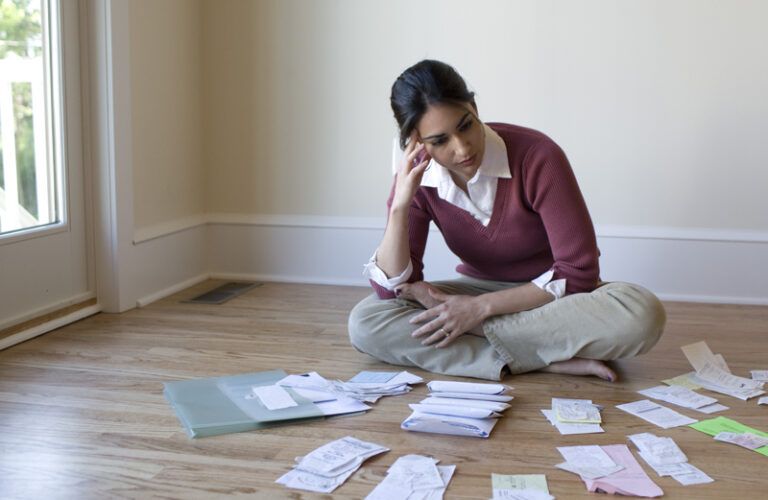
213, 406
715, 426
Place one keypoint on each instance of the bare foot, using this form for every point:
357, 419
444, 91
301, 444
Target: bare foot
581, 366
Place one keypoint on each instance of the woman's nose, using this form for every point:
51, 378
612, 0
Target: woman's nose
462, 148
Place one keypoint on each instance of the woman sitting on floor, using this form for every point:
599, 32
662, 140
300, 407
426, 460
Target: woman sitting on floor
504, 197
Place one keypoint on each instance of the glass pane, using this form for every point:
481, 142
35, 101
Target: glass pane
28, 194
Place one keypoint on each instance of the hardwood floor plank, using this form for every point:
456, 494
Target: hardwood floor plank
82, 412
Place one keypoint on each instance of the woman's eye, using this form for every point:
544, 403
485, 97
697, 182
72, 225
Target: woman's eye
466, 125
438, 142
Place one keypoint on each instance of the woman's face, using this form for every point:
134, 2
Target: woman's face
454, 136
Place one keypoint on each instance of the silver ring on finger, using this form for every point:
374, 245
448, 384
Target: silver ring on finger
445, 333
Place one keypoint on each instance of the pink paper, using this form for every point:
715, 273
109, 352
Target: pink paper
631, 481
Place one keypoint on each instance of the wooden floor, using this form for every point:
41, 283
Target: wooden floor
82, 413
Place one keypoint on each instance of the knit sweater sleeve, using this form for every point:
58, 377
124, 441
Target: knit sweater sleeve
554, 194
418, 230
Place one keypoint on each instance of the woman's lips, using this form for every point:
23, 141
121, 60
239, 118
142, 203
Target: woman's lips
468, 161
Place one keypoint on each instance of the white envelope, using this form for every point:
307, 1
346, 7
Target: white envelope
470, 387
455, 411
445, 424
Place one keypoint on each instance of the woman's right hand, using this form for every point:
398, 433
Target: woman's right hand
409, 172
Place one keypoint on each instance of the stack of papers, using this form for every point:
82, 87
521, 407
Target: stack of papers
685, 397
763, 401
459, 409
718, 425
745, 440
371, 386
365, 386
628, 479
656, 414
761, 375
520, 487
667, 459
326, 468
712, 373
414, 477
574, 416
590, 462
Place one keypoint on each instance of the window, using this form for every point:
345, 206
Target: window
31, 193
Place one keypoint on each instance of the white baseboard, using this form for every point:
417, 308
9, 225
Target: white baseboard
165, 292
681, 264
21, 318
47, 327
166, 264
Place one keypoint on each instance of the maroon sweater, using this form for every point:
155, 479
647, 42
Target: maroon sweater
539, 221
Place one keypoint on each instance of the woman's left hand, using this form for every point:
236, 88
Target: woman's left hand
453, 317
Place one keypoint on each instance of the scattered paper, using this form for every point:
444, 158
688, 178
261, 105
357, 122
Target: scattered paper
715, 426
414, 477
656, 414
366, 377
520, 487
692, 475
667, 459
274, 397
679, 396
684, 380
658, 450
576, 411
745, 440
631, 480
568, 429
763, 401
761, 375
590, 462
712, 373
713, 408
589, 471
327, 467
528, 494
319, 390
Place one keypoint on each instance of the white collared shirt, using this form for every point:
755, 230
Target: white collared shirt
479, 202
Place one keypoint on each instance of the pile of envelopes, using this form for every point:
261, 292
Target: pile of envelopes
459, 409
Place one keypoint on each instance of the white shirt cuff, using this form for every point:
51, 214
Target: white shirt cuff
374, 273
556, 288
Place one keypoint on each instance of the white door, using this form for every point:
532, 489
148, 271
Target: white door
44, 244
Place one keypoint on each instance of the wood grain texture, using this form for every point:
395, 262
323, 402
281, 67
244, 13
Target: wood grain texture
82, 413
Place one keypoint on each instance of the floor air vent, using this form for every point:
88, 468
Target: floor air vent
222, 293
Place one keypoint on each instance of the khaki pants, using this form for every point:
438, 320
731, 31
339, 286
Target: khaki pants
617, 320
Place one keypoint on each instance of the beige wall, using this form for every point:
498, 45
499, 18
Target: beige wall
660, 105
166, 97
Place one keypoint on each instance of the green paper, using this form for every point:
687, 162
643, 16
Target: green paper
520, 482
715, 426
